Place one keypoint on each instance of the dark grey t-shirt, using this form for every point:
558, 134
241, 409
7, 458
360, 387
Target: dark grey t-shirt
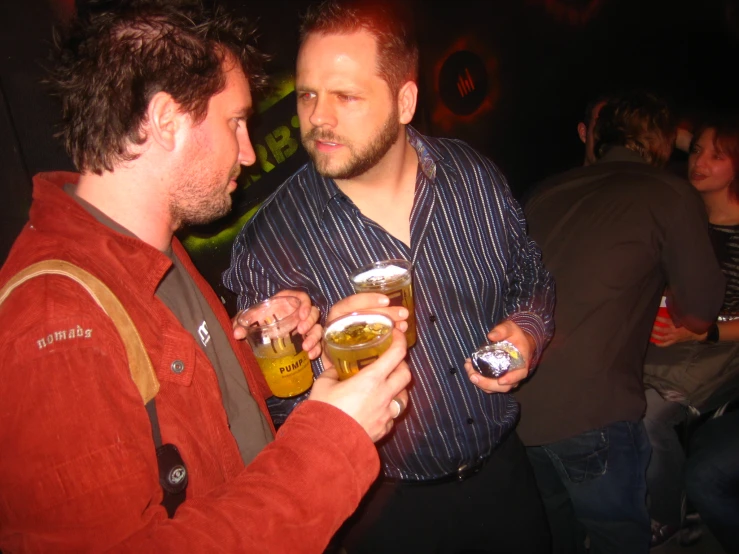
612, 234
180, 294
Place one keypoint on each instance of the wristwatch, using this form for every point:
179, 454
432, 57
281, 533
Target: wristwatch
712, 334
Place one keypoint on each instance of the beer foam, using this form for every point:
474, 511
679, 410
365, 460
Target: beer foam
385, 273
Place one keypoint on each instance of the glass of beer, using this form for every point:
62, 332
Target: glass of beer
278, 347
394, 279
356, 340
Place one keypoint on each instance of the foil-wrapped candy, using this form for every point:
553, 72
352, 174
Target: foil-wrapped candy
496, 359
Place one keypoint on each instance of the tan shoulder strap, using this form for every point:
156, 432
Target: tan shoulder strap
139, 364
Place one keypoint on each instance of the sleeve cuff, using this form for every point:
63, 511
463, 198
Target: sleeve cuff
532, 324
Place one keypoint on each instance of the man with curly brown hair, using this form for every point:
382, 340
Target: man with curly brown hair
155, 98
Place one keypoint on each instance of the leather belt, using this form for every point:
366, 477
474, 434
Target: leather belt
463, 473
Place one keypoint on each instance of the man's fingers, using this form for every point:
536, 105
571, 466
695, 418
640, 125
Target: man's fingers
501, 331
314, 352
514, 377
312, 341
357, 302
391, 358
329, 373
490, 385
398, 380
396, 313
307, 323
388, 428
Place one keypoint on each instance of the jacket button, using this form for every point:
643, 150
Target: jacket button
177, 366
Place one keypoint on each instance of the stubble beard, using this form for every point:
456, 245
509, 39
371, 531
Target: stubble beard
196, 210
359, 162
200, 195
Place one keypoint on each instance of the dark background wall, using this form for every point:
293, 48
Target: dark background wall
543, 61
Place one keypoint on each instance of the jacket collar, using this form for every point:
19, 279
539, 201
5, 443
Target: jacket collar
54, 211
620, 154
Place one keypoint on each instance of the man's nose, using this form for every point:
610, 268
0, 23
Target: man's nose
323, 113
247, 156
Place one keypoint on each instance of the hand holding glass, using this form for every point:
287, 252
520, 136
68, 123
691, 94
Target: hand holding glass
272, 334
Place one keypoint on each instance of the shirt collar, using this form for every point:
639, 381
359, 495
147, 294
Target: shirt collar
620, 154
428, 157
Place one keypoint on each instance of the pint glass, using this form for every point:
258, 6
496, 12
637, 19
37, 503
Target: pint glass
393, 278
272, 335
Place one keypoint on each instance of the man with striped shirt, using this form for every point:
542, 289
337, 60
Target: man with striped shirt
455, 475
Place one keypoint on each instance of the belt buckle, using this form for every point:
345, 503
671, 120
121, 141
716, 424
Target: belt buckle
468, 470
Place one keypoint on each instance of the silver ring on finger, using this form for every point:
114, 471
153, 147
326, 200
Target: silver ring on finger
398, 406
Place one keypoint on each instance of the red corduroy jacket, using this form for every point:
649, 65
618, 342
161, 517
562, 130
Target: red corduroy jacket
78, 470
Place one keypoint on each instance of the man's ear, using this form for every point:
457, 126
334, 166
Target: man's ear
582, 131
407, 99
164, 119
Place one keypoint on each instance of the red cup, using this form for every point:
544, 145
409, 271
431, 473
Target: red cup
662, 312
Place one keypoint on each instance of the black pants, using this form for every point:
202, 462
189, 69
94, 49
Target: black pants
496, 510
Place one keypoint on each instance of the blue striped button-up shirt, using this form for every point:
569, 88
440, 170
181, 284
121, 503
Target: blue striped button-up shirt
473, 267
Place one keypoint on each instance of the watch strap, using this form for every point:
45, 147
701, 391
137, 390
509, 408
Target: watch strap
712, 335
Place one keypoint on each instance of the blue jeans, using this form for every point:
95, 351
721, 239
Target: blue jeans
595, 483
665, 471
712, 477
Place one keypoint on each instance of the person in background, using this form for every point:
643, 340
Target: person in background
611, 233
586, 127
455, 476
155, 99
711, 476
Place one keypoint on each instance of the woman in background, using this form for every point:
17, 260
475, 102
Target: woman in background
710, 475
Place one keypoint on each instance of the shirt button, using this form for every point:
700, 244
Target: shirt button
432, 319
177, 366
470, 420
452, 370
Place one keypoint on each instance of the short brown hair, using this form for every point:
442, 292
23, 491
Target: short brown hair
109, 63
640, 121
397, 50
601, 99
